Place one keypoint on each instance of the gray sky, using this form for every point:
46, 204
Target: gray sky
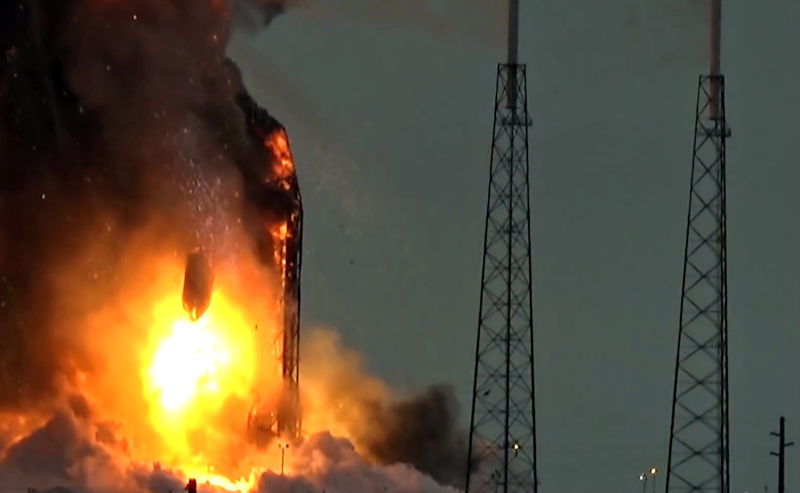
390, 117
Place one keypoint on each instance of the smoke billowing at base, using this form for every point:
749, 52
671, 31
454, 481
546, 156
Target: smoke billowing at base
128, 141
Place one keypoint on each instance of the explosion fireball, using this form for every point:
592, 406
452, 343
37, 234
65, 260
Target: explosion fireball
127, 139
200, 361
187, 362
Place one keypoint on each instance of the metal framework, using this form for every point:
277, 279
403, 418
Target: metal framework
288, 259
699, 434
502, 442
276, 191
289, 416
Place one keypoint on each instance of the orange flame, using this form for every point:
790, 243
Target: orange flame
278, 144
182, 390
195, 366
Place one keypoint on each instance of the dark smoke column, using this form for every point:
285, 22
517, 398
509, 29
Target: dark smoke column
281, 209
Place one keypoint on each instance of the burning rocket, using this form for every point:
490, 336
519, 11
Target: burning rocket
198, 283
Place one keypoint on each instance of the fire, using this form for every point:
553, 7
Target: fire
280, 231
181, 390
142, 380
189, 363
198, 378
195, 366
278, 144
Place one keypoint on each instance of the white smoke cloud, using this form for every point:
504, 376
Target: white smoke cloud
331, 464
74, 453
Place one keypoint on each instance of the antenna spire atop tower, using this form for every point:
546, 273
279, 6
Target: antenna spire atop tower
513, 31
715, 76
716, 36
511, 88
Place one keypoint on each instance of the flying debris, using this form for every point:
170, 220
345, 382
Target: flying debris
198, 282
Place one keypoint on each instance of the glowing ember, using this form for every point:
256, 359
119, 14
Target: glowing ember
280, 231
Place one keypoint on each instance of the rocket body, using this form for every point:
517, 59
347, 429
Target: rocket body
198, 284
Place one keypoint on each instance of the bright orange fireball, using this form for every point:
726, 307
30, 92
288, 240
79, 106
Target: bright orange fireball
193, 368
188, 362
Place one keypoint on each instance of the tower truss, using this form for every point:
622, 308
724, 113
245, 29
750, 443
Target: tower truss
289, 262
502, 442
289, 415
699, 434
281, 220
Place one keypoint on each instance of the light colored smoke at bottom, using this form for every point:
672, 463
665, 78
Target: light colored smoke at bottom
73, 453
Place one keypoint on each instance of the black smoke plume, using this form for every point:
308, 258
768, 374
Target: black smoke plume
115, 118
421, 431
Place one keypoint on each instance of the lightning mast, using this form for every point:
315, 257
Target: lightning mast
502, 442
699, 447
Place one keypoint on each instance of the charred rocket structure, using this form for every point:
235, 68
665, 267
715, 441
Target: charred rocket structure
93, 146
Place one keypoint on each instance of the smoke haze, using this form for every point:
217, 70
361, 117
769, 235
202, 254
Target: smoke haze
462, 19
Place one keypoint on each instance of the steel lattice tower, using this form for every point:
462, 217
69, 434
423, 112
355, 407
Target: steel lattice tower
289, 416
502, 443
699, 447
282, 248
